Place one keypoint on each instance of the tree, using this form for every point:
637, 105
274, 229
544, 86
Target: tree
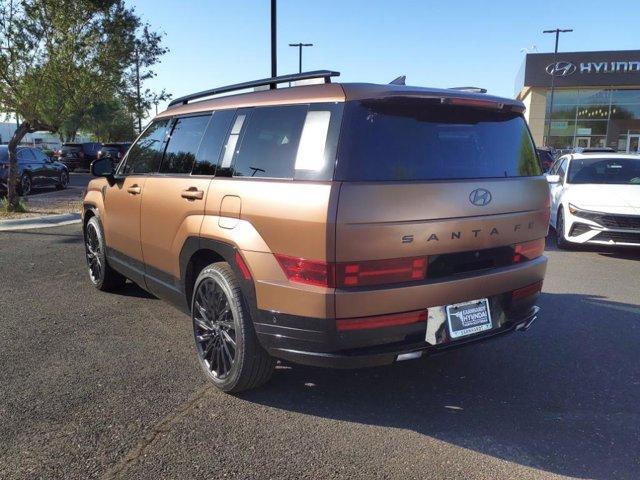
60, 58
110, 121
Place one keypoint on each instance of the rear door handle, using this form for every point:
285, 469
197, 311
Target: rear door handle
134, 190
192, 194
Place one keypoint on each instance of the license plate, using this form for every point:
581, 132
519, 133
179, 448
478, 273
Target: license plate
468, 318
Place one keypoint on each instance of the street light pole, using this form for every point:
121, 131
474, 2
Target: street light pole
300, 45
274, 53
139, 102
557, 31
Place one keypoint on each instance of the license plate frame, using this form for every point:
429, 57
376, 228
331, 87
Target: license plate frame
468, 318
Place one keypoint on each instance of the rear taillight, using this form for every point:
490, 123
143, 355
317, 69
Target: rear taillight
380, 321
311, 272
353, 274
527, 291
378, 272
99, 154
528, 250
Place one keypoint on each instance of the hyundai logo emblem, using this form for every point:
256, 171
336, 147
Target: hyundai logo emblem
561, 69
480, 197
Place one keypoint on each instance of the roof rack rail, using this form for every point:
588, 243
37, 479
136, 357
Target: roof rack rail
272, 82
470, 89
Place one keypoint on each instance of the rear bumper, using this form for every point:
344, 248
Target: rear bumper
376, 357
303, 341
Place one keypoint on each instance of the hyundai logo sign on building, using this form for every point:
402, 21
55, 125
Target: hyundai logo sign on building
596, 100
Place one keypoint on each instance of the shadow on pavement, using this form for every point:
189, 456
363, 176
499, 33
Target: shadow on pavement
562, 397
131, 289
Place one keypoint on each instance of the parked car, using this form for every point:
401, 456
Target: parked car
115, 151
338, 225
35, 170
546, 158
595, 198
79, 155
593, 150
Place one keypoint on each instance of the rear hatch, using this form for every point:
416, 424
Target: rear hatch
425, 177
71, 152
112, 151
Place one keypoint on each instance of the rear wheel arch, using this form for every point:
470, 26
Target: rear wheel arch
89, 212
197, 253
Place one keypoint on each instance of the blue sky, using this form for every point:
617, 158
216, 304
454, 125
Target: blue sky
434, 43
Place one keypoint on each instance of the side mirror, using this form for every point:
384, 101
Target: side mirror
553, 178
102, 167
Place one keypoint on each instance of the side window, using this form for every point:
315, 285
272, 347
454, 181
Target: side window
25, 156
40, 156
562, 168
145, 155
184, 140
211, 145
270, 142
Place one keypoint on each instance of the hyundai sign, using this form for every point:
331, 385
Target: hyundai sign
577, 69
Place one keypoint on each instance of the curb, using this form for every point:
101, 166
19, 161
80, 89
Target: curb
39, 222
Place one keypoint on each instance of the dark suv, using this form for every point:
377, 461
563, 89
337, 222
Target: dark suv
35, 170
115, 151
79, 155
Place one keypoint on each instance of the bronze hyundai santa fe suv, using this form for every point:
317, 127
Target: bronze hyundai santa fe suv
339, 225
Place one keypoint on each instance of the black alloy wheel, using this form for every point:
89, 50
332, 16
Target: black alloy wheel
214, 328
94, 253
63, 181
102, 276
25, 184
226, 342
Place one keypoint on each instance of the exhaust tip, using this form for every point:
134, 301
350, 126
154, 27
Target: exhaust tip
408, 356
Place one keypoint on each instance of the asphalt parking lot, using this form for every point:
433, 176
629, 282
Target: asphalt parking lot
97, 385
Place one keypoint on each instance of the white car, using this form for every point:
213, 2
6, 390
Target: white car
595, 199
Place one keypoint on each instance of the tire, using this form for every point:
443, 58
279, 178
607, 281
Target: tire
63, 180
561, 241
26, 184
102, 276
226, 343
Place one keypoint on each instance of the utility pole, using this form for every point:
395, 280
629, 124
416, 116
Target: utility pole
138, 90
557, 31
274, 43
300, 45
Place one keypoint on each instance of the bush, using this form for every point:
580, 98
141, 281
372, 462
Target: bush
20, 208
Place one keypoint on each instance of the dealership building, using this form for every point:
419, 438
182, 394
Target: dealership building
596, 99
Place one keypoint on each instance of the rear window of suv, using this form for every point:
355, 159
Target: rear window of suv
412, 139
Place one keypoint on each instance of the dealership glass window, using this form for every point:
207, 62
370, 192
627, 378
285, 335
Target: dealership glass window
563, 97
592, 127
593, 117
629, 112
594, 97
563, 112
625, 96
593, 112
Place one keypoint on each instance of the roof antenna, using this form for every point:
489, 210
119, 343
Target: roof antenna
398, 80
